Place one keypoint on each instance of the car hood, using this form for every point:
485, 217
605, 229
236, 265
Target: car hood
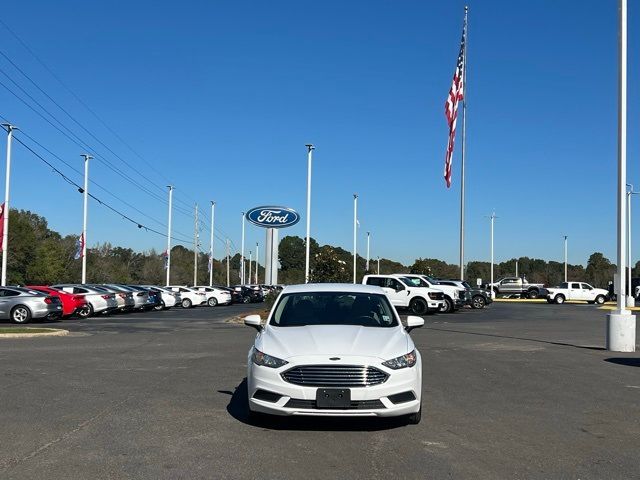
379, 342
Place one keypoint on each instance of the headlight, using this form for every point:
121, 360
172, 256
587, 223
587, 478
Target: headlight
403, 361
265, 360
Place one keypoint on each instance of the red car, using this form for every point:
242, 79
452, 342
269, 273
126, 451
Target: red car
71, 303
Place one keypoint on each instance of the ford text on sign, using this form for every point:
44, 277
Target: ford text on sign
273, 217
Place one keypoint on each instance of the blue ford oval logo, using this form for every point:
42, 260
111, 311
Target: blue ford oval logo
273, 217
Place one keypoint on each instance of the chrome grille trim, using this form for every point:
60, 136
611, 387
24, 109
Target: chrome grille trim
334, 375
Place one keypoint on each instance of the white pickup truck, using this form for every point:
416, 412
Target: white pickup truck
576, 291
404, 294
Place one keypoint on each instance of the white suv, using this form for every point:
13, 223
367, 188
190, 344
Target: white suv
404, 294
215, 296
190, 297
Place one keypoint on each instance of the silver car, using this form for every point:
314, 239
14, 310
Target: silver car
124, 296
21, 305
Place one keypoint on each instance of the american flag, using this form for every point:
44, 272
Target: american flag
79, 247
451, 105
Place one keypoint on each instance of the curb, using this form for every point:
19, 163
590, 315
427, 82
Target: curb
543, 300
52, 332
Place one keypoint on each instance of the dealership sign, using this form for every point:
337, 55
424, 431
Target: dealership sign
273, 217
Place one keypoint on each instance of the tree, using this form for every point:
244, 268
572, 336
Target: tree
329, 267
599, 270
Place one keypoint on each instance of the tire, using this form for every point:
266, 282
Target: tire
559, 299
414, 418
418, 306
246, 299
212, 302
448, 306
20, 314
85, 312
478, 302
600, 299
533, 294
160, 306
186, 303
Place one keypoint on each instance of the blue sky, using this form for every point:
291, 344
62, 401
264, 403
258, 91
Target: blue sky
221, 97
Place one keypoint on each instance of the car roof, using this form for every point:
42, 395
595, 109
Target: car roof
332, 287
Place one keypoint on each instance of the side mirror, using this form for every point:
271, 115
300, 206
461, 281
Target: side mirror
256, 322
414, 322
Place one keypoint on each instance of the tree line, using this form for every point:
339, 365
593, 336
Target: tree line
39, 255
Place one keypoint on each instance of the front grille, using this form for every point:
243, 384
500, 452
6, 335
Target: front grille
335, 376
355, 404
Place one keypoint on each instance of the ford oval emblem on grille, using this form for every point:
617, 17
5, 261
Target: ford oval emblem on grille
334, 358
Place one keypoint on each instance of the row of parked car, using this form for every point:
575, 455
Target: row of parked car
21, 304
422, 294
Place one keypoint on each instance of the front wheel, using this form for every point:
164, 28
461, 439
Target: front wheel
478, 302
448, 306
559, 299
20, 314
159, 307
418, 306
414, 418
186, 303
532, 294
212, 302
600, 299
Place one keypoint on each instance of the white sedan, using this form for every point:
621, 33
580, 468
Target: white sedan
215, 296
334, 350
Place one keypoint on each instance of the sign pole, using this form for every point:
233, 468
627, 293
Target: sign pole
621, 325
310, 149
355, 233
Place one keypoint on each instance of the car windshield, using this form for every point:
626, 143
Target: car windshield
466, 284
333, 308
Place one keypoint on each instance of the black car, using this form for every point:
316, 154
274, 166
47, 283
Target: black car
475, 297
236, 296
249, 295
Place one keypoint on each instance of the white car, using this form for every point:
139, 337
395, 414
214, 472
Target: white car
577, 291
404, 293
168, 297
190, 297
215, 296
99, 300
334, 350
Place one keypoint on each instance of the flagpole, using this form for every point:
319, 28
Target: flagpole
227, 245
242, 254
195, 248
170, 187
355, 231
310, 149
5, 213
257, 261
213, 217
84, 216
464, 121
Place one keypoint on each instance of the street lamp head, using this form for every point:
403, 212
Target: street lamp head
310, 146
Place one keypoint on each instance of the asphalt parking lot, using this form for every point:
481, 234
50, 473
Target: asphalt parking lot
513, 391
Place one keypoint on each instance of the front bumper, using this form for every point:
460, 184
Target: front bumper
370, 401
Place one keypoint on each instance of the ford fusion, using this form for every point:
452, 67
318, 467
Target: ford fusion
334, 350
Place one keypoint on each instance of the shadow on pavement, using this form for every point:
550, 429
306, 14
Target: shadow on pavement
239, 410
537, 340
626, 361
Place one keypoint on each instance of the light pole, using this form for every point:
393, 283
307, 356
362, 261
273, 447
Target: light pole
242, 254
368, 238
85, 195
517, 268
310, 149
621, 325
250, 263
631, 301
5, 217
195, 248
355, 231
228, 282
493, 218
257, 261
378, 265
213, 218
170, 187
565, 258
